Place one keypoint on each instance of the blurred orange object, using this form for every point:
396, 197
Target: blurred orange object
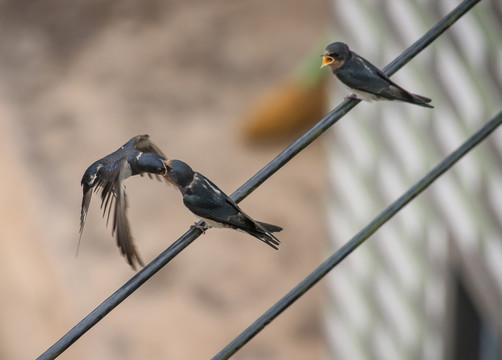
287, 109
290, 107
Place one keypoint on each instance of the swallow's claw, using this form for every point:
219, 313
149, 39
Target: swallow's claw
202, 228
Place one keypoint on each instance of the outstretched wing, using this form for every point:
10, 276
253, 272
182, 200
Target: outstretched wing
143, 143
87, 183
108, 180
121, 226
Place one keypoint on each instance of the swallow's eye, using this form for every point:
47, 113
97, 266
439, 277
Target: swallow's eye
335, 55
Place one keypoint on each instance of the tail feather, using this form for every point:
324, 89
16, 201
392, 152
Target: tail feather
395, 92
270, 227
267, 238
264, 233
421, 100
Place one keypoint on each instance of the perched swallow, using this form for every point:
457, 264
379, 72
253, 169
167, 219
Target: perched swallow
364, 78
137, 156
212, 205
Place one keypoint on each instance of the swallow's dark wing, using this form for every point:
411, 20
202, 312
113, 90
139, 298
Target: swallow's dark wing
100, 176
86, 201
360, 74
143, 143
206, 200
396, 92
107, 175
121, 224
260, 230
109, 181
87, 182
96, 178
106, 178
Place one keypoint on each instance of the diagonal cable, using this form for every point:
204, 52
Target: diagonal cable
357, 240
247, 188
307, 138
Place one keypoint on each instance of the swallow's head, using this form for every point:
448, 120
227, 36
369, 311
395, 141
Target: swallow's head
179, 173
152, 163
335, 55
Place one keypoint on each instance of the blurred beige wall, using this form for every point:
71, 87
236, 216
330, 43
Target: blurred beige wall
76, 82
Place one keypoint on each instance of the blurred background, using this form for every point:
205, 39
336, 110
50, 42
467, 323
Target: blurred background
79, 79
428, 284
226, 86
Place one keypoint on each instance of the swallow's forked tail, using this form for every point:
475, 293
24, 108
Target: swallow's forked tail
421, 100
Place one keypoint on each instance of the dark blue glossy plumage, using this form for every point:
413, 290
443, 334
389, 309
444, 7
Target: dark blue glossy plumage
202, 197
137, 156
364, 78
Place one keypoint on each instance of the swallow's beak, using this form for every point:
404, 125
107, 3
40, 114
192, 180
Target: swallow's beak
326, 60
167, 166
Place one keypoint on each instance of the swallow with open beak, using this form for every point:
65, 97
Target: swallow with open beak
364, 78
203, 198
137, 156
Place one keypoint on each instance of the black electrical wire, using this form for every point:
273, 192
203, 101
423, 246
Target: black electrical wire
186, 239
357, 240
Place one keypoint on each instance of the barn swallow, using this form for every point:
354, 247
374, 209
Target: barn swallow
203, 198
137, 156
364, 78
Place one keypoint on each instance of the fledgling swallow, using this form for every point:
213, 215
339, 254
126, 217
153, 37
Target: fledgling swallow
203, 198
137, 156
364, 78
